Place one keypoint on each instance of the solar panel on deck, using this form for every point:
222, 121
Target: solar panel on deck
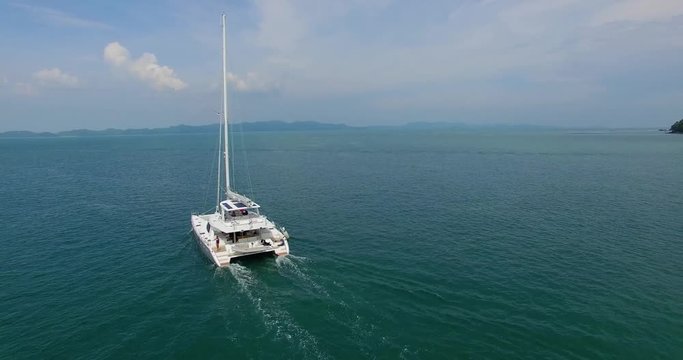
228, 205
240, 205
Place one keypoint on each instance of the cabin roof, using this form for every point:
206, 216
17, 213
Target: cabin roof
233, 205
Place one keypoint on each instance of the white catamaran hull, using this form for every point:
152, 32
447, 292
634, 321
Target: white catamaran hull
226, 250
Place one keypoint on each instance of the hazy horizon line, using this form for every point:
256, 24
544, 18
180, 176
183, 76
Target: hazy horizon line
415, 124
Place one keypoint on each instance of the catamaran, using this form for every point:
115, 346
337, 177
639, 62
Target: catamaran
236, 228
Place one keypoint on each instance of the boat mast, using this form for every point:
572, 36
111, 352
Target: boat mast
226, 155
218, 182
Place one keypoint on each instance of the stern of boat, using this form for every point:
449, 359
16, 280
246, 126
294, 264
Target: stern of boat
283, 249
206, 241
275, 241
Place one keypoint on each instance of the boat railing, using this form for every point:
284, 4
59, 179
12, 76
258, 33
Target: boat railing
247, 220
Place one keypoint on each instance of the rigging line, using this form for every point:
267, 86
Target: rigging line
246, 162
218, 160
212, 166
232, 158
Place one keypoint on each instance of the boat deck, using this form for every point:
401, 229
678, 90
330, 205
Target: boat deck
228, 248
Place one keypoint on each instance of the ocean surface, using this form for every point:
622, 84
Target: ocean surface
430, 244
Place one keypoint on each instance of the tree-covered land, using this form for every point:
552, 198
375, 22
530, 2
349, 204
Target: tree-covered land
677, 127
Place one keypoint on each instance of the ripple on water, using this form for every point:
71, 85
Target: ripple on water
420, 244
279, 324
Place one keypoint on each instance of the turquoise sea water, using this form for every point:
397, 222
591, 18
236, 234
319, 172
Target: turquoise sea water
407, 245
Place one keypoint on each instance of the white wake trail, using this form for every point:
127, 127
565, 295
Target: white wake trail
274, 317
300, 271
288, 266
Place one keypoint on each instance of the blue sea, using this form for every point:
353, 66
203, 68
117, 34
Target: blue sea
407, 244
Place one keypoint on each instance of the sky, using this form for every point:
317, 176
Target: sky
67, 64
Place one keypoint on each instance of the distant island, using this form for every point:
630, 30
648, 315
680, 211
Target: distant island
280, 126
185, 129
677, 127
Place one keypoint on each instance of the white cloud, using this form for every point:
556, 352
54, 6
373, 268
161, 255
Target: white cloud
315, 54
145, 68
287, 26
640, 11
55, 77
41, 79
252, 82
60, 18
280, 27
23, 88
116, 54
